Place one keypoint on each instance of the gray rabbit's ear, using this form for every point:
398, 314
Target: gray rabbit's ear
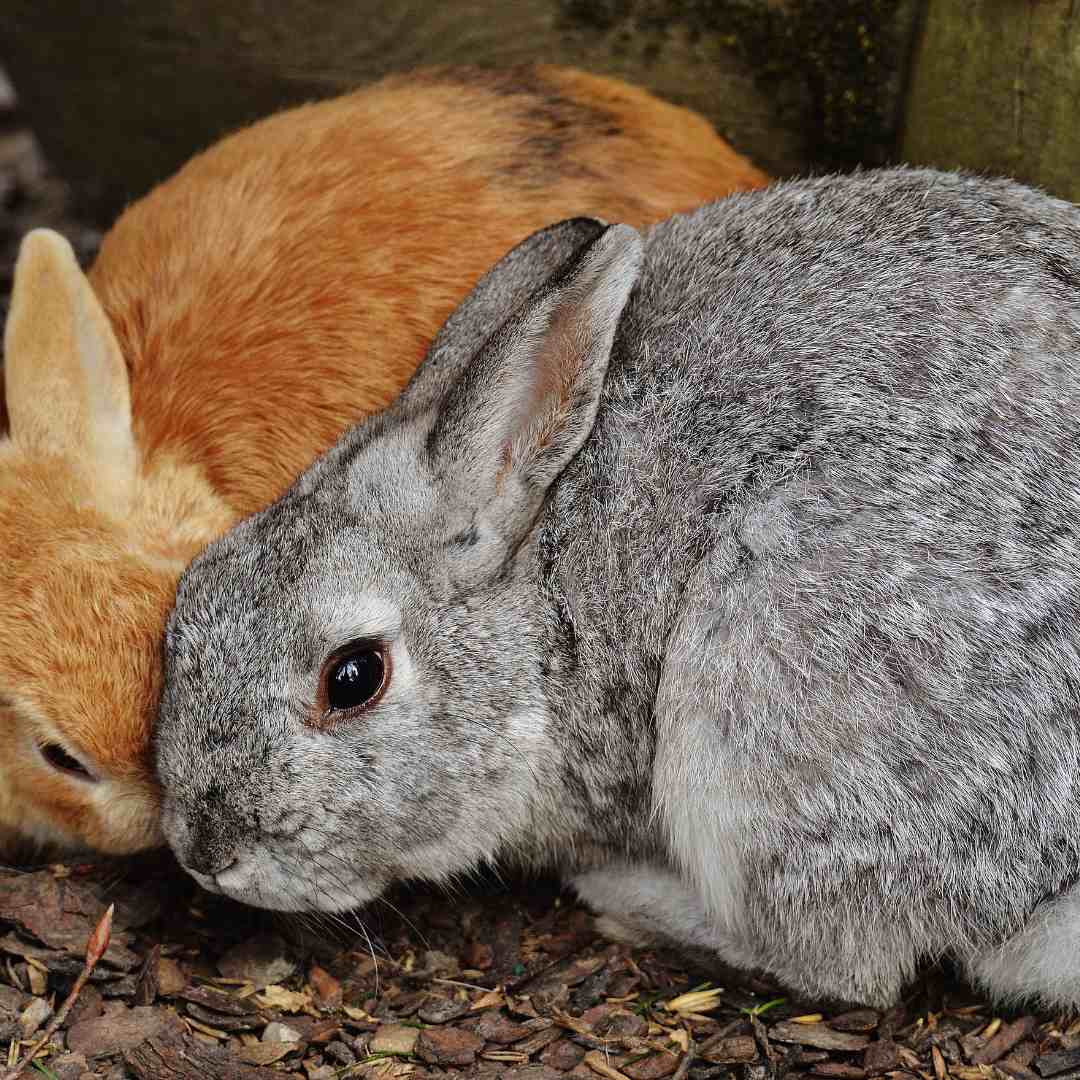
518, 275
527, 401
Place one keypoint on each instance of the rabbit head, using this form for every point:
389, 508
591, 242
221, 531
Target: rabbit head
356, 677
83, 574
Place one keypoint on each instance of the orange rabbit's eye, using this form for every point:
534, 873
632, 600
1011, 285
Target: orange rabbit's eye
60, 759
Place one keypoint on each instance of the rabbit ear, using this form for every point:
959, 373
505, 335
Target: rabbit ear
65, 378
495, 297
527, 401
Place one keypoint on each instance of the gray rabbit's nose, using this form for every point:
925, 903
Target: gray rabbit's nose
205, 853
198, 839
209, 861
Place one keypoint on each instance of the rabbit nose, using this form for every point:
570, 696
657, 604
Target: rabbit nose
209, 860
205, 848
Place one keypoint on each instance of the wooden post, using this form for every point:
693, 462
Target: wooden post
995, 87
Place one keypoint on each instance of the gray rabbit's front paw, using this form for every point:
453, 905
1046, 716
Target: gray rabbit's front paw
643, 904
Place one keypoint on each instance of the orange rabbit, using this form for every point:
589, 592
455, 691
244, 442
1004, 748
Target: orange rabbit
281, 286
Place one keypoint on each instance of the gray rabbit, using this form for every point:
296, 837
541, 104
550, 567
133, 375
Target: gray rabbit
734, 571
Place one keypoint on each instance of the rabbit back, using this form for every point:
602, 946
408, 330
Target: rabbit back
848, 500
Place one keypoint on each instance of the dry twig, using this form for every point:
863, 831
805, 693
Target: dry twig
96, 945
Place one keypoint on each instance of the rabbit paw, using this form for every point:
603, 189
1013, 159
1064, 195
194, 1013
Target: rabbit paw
610, 927
643, 904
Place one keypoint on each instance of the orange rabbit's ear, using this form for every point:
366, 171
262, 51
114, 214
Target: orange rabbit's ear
65, 378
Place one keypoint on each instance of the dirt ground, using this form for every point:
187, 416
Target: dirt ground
500, 978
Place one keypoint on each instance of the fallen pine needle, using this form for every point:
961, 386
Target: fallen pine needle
466, 985
696, 1001
597, 1061
96, 945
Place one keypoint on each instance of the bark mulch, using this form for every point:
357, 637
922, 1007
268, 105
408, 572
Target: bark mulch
508, 980
505, 981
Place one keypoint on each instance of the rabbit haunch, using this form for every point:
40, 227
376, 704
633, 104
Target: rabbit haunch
278, 288
736, 574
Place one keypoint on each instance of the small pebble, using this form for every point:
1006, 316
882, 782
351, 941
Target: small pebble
339, 1052
439, 1010
276, 1031
562, 1055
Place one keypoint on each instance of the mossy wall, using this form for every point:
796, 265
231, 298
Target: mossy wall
121, 93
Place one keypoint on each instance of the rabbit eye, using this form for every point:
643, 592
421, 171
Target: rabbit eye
60, 759
356, 678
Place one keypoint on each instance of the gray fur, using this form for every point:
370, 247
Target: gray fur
777, 619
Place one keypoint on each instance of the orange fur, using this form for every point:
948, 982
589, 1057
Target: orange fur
281, 286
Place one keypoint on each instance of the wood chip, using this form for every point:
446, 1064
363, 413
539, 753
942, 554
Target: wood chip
278, 997
856, 1020
820, 1036
939, 1063
218, 1001
394, 1039
37, 974
222, 1022
206, 1029
538, 1041
653, 1067
681, 1038
171, 977
881, 1057
448, 1046
1003, 1040
120, 1030
181, 1057
327, 988
838, 1069
266, 1053
1057, 1062
146, 985
730, 1050
491, 1000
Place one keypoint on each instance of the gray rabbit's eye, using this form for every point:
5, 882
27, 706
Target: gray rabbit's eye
356, 677
62, 761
